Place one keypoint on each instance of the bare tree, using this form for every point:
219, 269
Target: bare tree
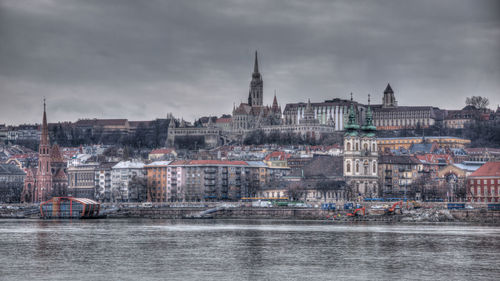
477, 102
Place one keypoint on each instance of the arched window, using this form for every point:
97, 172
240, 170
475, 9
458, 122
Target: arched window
357, 167
357, 146
348, 168
373, 147
365, 146
374, 167
348, 146
365, 167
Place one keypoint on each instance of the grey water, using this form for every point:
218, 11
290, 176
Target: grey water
142, 249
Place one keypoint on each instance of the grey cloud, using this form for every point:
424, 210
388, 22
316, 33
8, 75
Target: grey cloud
143, 59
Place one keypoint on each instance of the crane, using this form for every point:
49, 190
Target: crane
357, 212
392, 210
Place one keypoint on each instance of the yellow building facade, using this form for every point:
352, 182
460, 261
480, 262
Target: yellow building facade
406, 142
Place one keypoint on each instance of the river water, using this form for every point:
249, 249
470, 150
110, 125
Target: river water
121, 249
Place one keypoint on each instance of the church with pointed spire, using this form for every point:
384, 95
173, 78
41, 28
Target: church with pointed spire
254, 114
49, 178
361, 154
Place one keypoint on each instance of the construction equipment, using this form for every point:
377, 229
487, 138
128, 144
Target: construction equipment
357, 212
392, 210
414, 203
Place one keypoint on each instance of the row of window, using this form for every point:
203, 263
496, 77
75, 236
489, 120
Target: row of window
486, 191
365, 167
492, 181
356, 146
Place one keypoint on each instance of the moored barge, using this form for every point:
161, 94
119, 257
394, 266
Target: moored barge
69, 208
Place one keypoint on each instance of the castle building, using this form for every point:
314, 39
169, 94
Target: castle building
360, 155
390, 116
49, 179
330, 112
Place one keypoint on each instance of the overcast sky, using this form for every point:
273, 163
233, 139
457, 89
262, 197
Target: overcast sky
143, 59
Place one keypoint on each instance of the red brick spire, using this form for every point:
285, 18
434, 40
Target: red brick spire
44, 173
44, 140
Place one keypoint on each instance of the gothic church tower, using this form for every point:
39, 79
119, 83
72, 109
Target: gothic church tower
256, 94
44, 173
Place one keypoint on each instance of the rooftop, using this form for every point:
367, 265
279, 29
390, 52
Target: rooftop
490, 169
129, 165
158, 163
7, 169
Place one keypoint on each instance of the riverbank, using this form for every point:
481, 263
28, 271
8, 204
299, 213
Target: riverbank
416, 215
229, 211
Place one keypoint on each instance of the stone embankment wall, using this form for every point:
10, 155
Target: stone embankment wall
417, 215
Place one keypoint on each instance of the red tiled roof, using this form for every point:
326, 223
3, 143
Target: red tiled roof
281, 155
489, 169
223, 120
433, 158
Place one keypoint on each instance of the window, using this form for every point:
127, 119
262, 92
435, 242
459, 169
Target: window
348, 168
357, 146
357, 167
348, 146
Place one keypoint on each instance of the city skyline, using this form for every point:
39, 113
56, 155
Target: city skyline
141, 61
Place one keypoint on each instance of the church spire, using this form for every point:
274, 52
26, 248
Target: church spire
255, 95
369, 128
256, 64
275, 101
44, 139
352, 124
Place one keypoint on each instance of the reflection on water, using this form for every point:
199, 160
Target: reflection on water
244, 250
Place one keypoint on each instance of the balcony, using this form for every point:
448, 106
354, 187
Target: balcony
209, 177
209, 183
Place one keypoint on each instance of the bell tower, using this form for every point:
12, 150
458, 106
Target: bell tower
256, 93
44, 172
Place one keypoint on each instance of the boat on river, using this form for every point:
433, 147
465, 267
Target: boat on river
70, 208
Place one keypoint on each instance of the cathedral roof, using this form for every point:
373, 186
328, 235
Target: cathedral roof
60, 175
243, 108
55, 154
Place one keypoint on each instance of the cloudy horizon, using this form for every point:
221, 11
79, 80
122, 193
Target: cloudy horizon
142, 60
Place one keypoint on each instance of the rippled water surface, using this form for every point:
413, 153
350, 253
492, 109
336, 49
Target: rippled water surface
245, 250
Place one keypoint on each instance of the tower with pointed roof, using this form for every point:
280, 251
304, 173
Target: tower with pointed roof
49, 178
389, 100
43, 185
309, 117
360, 154
256, 93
